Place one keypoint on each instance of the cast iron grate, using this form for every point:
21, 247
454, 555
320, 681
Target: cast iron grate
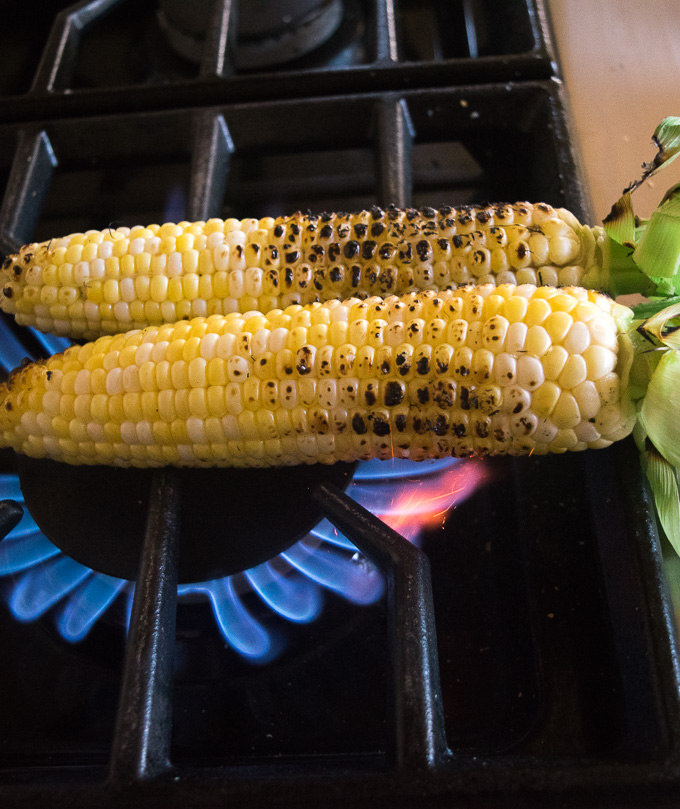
61, 70
590, 634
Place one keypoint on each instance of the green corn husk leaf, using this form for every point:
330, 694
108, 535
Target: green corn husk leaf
619, 224
657, 253
663, 480
672, 569
657, 327
644, 311
661, 406
650, 248
666, 138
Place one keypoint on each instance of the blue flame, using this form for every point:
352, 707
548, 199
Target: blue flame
21, 553
13, 351
40, 588
44, 576
240, 629
10, 489
354, 578
50, 343
291, 585
327, 532
26, 546
87, 604
294, 597
400, 469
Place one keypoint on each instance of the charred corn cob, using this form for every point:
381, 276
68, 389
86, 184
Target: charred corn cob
478, 370
111, 281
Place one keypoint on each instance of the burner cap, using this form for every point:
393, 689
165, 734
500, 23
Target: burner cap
231, 519
269, 34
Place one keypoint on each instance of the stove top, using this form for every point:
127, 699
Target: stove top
439, 634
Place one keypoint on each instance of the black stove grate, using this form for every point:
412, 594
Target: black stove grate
402, 44
557, 675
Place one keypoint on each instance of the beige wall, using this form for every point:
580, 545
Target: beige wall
621, 65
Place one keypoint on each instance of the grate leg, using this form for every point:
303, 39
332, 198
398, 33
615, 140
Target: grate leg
10, 515
141, 743
418, 736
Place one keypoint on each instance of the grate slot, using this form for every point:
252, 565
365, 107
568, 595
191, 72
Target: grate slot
416, 711
120, 172
296, 158
438, 30
60, 56
621, 532
22, 40
490, 145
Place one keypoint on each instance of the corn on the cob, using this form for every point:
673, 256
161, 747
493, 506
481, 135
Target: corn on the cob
111, 281
478, 370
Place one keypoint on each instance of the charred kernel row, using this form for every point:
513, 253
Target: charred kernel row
111, 281
476, 370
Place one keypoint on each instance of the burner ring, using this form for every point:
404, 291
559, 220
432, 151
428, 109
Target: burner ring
230, 519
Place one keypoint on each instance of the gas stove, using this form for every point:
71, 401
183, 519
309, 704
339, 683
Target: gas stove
490, 633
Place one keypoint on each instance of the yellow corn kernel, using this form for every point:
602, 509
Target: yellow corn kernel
565, 414
538, 310
544, 398
158, 288
599, 361
514, 308
142, 264
482, 365
574, 372
554, 361
538, 341
557, 324
197, 401
494, 331
190, 286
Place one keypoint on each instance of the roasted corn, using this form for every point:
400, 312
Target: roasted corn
111, 281
477, 370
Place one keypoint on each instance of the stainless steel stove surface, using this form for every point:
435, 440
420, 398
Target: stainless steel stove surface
312, 654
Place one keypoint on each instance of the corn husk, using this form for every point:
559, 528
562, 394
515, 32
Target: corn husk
663, 480
649, 247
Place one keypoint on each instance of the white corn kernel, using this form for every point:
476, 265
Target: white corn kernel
529, 372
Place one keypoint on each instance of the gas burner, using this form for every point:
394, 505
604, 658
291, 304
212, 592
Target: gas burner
157, 42
245, 534
291, 33
230, 519
409, 497
248, 535
322, 32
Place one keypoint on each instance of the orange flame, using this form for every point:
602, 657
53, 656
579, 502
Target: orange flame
424, 504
